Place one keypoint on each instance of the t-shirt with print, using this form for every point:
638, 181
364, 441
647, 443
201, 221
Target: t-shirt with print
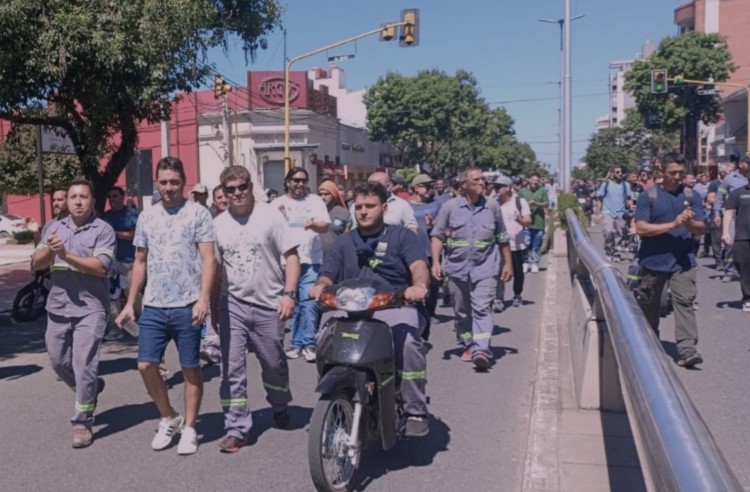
171, 236
539, 195
510, 215
739, 200
339, 221
298, 210
250, 251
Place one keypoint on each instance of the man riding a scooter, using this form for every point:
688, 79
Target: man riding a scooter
387, 253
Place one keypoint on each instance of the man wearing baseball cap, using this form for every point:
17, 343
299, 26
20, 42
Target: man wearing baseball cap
199, 194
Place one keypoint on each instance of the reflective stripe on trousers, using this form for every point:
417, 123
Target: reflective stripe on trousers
73, 347
472, 304
241, 325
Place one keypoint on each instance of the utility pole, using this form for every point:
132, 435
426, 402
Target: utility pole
226, 130
566, 143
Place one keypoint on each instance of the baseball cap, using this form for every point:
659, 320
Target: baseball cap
421, 179
199, 188
398, 180
503, 181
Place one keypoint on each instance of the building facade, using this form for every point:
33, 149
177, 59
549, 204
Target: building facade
208, 135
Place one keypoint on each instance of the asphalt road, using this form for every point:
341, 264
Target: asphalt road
720, 387
477, 440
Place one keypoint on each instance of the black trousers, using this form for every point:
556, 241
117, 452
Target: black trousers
741, 251
518, 276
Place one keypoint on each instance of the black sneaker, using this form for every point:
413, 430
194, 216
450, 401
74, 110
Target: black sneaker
689, 359
481, 362
281, 419
417, 426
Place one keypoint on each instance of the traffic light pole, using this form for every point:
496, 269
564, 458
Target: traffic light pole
746, 88
287, 158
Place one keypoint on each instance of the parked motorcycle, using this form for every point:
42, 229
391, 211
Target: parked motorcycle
31, 300
359, 400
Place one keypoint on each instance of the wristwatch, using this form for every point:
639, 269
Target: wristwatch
290, 293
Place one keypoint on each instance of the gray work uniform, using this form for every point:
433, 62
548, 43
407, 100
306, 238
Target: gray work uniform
249, 252
472, 235
77, 307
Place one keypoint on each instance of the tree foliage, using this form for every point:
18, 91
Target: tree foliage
630, 146
96, 68
442, 120
18, 165
694, 56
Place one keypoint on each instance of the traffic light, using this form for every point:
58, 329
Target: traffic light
387, 31
410, 29
220, 87
659, 84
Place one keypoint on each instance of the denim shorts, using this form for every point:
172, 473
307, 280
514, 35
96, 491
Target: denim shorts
158, 326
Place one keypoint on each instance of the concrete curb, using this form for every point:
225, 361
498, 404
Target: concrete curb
541, 465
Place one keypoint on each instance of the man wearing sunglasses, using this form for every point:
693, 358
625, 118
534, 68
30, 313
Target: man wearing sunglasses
307, 217
251, 299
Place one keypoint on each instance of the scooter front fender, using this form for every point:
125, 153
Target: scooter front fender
337, 379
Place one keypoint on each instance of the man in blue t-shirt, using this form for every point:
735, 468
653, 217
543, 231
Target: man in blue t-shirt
123, 219
390, 254
666, 223
615, 193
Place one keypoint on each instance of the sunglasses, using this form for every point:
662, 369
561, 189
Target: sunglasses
299, 180
231, 190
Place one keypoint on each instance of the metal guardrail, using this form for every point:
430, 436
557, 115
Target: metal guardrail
677, 451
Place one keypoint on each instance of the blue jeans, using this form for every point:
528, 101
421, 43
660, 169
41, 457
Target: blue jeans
158, 326
534, 240
305, 319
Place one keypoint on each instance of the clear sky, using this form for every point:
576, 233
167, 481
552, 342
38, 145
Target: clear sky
513, 56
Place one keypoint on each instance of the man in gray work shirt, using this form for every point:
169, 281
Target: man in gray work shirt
80, 250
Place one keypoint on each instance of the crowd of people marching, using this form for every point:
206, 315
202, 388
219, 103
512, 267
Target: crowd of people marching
238, 273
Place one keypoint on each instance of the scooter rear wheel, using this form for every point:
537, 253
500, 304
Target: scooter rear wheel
331, 467
29, 303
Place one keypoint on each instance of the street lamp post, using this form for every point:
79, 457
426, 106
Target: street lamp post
566, 120
287, 158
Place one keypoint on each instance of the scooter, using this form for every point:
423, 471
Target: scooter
31, 300
359, 400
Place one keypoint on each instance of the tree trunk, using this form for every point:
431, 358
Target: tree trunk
691, 143
105, 180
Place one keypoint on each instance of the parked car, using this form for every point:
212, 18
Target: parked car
10, 224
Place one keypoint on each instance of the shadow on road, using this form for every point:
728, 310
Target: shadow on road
406, 454
16, 372
212, 424
21, 338
123, 418
115, 366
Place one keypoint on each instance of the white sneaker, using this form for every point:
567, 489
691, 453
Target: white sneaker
293, 353
166, 431
746, 306
525, 268
535, 268
188, 441
309, 353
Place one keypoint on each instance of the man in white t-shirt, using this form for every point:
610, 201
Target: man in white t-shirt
398, 211
307, 217
251, 300
517, 216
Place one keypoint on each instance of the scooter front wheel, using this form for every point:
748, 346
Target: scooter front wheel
333, 464
29, 303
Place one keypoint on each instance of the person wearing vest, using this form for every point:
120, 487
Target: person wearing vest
472, 227
666, 219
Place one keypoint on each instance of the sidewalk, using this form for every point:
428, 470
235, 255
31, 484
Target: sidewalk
570, 448
15, 253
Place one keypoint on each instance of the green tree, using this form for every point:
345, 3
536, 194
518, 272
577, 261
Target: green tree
407, 173
95, 68
440, 119
18, 165
695, 56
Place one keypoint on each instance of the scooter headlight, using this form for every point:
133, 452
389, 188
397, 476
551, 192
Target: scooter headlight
354, 300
